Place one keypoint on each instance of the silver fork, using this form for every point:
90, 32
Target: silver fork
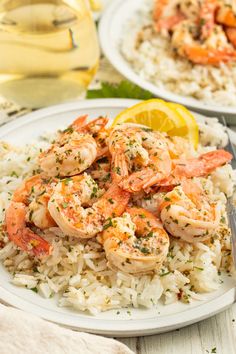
230, 208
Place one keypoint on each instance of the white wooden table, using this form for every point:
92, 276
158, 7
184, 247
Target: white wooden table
215, 335
217, 332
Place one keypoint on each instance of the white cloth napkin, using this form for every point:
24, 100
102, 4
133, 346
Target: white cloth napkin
23, 333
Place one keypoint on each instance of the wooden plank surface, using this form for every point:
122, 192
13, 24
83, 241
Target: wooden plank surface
216, 334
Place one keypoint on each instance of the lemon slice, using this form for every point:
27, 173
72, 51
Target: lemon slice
157, 114
154, 113
190, 129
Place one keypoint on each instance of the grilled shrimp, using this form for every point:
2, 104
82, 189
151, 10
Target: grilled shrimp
227, 13
136, 242
140, 150
29, 205
100, 172
231, 34
213, 50
79, 209
180, 147
75, 149
196, 167
166, 14
187, 213
207, 17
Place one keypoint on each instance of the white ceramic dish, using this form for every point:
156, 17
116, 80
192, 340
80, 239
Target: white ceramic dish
141, 321
111, 28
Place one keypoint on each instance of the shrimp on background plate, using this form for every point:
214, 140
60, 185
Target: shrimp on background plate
201, 31
136, 242
166, 14
212, 51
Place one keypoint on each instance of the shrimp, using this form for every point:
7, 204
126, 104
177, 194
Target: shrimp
190, 8
135, 243
212, 51
180, 147
196, 167
100, 172
231, 34
35, 193
97, 128
29, 205
140, 150
226, 14
166, 14
21, 235
75, 149
79, 209
187, 213
149, 201
207, 17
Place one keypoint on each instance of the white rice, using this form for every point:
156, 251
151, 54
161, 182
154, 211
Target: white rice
77, 270
152, 58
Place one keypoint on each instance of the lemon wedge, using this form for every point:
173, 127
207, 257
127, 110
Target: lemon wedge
163, 116
190, 129
154, 113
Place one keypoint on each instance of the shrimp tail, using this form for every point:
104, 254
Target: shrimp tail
92, 127
21, 235
141, 180
196, 167
203, 56
203, 165
79, 122
231, 34
119, 167
115, 199
226, 16
137, 180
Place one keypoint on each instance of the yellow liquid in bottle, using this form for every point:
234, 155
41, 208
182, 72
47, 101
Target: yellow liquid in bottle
49, 50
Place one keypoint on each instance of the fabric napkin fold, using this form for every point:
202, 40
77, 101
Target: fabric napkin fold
23, 333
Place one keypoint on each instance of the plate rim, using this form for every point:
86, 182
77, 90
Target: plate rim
119, 328
122, 66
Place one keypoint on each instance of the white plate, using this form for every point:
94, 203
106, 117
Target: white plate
141, 321
111, 29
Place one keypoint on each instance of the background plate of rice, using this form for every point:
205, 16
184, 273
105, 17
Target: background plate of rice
152, 66
74, 287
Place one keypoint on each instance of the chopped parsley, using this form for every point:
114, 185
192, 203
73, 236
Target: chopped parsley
199, 268
68, 130
144, 250
108, 224
67, 180
35, 290
164, 274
